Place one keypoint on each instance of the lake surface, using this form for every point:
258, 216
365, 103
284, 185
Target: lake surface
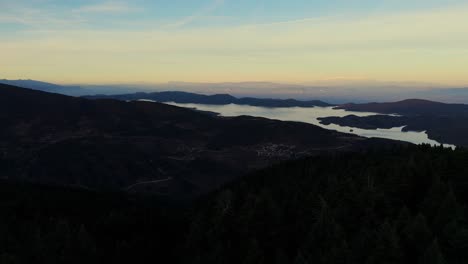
311, 115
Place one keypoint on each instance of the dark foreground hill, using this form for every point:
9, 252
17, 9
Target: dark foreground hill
446, 123
143, 146
217, 99
403, 205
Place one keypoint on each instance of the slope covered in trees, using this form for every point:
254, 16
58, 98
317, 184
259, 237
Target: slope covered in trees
400, 205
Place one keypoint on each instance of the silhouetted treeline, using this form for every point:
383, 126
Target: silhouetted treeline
40, 224
404, 205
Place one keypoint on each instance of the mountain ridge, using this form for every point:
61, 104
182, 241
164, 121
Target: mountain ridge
45, 86
216, 99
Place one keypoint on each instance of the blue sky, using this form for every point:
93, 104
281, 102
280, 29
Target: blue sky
234, 40
114, 14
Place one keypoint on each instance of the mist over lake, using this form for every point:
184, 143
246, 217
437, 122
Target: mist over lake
312, 115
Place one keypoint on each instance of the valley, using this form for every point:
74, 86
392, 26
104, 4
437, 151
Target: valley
110, 145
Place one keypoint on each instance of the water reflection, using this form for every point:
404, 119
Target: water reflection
311, 115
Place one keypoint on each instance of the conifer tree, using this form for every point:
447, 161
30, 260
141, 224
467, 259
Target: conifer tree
300, 259
433, 255
416, 236
387, 248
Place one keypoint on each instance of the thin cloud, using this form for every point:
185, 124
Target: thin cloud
199, 14
39, 18
108, 7
43, 18
427, 45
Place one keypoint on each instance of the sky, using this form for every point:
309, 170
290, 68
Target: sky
294, 41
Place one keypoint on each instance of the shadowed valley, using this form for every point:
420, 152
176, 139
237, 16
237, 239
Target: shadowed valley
143, 146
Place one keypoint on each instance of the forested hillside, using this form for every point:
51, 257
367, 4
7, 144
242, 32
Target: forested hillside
142, 146
400, 205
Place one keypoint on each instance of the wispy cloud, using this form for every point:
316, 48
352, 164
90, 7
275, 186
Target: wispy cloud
39, 18
108, 7
425, 45
197, 15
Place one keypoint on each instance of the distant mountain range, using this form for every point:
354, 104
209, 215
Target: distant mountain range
335, 92
165, 96
443, 122
218, 99
446, 123
46, 87
74, 90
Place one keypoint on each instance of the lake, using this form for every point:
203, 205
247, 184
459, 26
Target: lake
311, 115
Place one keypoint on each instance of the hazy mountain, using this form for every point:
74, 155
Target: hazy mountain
46, 87
331, 91
217, 99
455, 95
75, 90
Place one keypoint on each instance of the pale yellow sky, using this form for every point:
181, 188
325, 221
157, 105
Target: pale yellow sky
422, 46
